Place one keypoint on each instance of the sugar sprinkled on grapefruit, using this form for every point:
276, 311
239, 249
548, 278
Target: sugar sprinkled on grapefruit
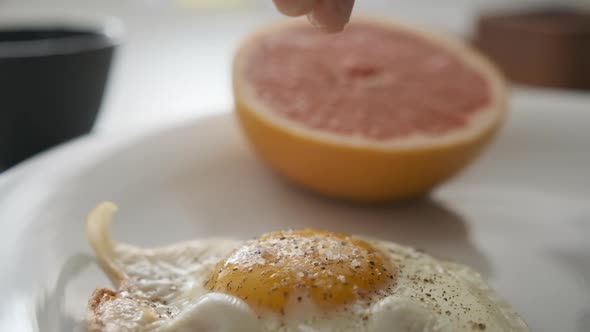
382, 111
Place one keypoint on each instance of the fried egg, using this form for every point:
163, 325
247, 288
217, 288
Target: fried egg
297, 280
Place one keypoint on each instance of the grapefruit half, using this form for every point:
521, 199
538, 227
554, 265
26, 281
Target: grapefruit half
381, 111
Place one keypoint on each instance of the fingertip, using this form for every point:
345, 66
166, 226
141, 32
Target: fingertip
331, 15
295, 7
321, 25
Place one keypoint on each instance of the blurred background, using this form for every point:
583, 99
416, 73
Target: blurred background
173, 65
174, 62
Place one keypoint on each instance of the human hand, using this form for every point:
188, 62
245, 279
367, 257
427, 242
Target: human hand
327, 15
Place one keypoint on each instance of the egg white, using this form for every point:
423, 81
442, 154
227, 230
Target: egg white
162, 290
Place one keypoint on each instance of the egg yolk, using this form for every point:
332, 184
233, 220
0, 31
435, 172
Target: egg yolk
332, 270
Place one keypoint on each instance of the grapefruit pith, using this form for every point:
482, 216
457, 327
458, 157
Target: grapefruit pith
381, 111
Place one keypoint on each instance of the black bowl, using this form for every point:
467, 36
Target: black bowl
53, 74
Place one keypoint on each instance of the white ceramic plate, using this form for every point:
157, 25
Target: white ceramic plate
520, 215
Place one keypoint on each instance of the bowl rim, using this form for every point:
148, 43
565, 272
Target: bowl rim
101, 31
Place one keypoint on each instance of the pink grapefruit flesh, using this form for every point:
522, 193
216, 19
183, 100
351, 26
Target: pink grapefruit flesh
368, 81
